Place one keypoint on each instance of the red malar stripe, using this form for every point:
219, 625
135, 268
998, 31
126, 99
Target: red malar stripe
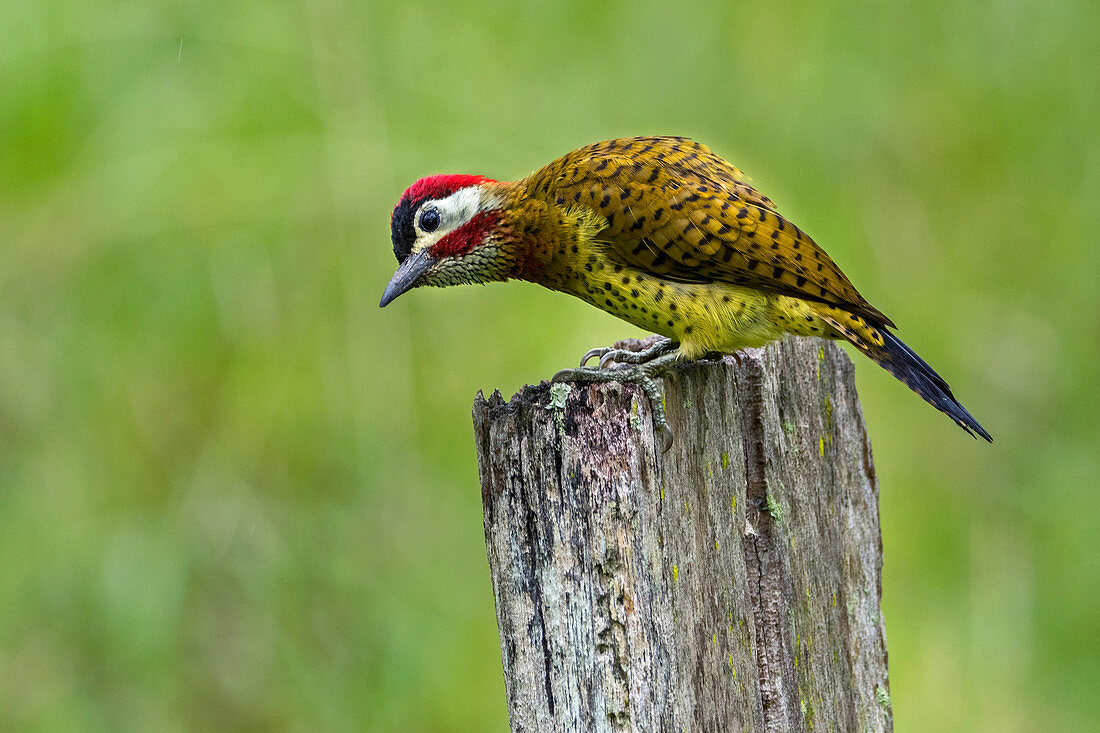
466, 237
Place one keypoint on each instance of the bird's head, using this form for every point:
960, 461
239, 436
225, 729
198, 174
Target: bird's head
447, 230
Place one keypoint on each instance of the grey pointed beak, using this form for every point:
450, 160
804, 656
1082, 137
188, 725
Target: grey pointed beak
406, 276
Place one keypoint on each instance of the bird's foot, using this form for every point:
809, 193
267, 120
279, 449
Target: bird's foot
645, 374
625, 356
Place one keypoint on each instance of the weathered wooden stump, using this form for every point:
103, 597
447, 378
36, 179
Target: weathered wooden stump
730, 584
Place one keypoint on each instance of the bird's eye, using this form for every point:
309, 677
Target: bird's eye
429, 220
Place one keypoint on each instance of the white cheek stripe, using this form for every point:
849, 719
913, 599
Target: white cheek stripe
454, 211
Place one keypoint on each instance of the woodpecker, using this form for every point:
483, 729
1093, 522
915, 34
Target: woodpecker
662, 233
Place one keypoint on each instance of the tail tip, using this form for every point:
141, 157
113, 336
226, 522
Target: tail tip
976, 430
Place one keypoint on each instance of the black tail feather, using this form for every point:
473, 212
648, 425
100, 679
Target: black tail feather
903, 363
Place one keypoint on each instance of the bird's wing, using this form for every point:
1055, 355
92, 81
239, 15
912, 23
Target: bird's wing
678, 211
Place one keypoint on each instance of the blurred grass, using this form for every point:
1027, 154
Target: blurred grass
234, 494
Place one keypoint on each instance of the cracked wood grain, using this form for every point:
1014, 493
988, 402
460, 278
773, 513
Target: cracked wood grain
731, 584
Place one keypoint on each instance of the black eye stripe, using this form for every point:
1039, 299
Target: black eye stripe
401, 228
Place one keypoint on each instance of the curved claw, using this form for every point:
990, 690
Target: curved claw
664, 437
562, 376
597, 352
607, 359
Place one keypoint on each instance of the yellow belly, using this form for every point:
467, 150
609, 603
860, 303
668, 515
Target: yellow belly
703, 317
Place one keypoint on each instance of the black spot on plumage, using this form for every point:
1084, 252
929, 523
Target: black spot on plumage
576, 197
800, 282
603, 164
777, 273
605, 201
657, 214
677, 206
742, 212
638, 224
653, 176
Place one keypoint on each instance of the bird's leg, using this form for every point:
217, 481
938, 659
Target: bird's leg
645, 373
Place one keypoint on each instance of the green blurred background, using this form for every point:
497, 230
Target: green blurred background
234, 494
